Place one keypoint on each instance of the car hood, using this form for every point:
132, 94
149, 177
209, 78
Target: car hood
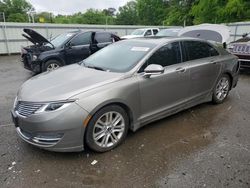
213, 32
64, 83
34, 37
130, 36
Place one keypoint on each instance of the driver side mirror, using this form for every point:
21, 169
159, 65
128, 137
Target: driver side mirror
68, 45
153, 69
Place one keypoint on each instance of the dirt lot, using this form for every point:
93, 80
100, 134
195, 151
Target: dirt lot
206, 146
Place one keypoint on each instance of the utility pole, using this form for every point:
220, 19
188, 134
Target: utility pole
5, 34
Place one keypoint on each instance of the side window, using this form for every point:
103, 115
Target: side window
155, 31
167, 55
198, 50
81, 39
102, 38
148, 33
212, 51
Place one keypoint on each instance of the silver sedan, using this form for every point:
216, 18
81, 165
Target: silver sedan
122, 87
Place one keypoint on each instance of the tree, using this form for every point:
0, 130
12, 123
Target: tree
151, 12
15, 10
235, 10
109, 11
46, 17
128, 14
178, 12
206, 11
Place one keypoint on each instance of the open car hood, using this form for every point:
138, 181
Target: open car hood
212, 32
34, 37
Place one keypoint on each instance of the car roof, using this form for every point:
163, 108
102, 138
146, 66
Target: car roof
157, 40
147, 28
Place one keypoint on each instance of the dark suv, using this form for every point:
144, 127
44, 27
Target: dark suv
67, 48
241, 48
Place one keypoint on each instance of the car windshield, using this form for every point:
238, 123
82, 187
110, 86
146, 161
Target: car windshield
119, 57
168, 32
60, 39
138, 32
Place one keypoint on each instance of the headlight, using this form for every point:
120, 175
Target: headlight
230, 46
34, 57
54, 106
15, 103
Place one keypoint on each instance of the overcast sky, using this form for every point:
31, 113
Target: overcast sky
73, 6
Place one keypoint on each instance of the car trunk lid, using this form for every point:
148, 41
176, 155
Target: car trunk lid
212, 32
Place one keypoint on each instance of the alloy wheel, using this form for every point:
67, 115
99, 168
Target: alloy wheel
52, 66
109, 129
222, 88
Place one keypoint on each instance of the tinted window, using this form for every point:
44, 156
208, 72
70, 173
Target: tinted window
81, 39
212, 51
155, 31
165, 56
198, 50
102, 37
148, 32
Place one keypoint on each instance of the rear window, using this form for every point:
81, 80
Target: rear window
199, 50
103, 37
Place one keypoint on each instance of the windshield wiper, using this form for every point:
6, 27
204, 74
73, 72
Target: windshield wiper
95, 67
91, 66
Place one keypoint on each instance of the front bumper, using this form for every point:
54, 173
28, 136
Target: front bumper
34, 66
61, 130
244, 63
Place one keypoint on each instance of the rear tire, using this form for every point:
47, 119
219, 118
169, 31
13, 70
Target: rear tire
107, 129
52, 65
221, 89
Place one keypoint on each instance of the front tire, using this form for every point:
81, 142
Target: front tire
221, 89
51, 65
107, 128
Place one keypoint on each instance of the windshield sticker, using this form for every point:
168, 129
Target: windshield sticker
140, 49
69, 35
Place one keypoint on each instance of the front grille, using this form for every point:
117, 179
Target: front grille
241, 49
27, 108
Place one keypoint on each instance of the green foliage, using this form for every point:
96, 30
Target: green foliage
47, 16
151, 12
16, 17
141, 12
15, 10
128, 14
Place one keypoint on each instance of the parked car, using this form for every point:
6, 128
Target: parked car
123, 86
67, 48
241, 48
171, 32
142, 33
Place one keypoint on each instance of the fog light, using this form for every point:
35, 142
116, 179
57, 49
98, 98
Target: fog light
34, 57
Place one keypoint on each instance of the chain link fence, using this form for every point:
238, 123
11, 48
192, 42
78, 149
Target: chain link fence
11, 38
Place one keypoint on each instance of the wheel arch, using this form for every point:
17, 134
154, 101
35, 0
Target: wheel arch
230, 77
118, 103
52, 58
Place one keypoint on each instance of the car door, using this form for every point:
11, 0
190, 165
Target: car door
204, 67
100, 40
165, 91
148, 33
78, 48
155, 31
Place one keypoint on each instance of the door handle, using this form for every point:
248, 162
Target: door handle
180, 69
213, 61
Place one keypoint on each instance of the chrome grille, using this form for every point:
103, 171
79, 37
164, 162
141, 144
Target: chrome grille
241, 49
27, 108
